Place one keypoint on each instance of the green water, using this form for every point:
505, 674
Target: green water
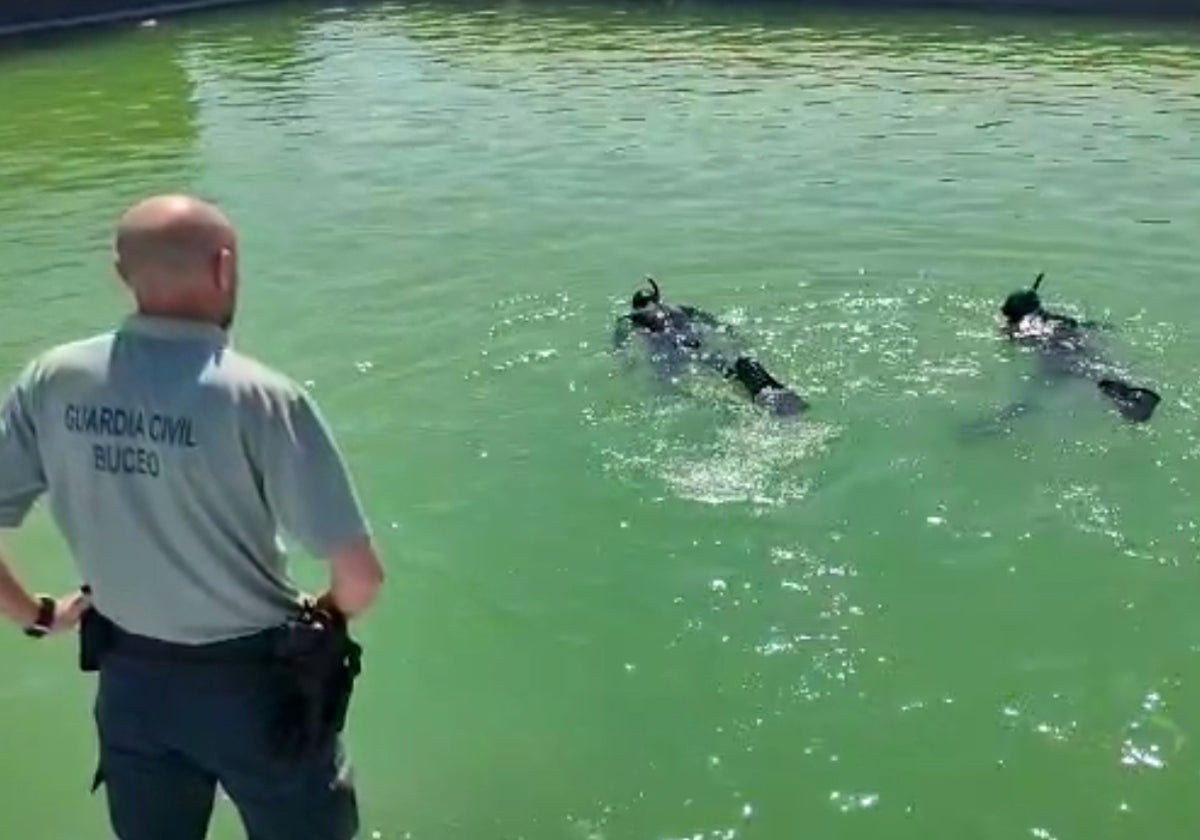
618, 614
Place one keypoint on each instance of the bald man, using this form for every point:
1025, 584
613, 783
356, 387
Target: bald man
171, 462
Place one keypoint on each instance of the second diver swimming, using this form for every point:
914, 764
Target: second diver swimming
1063, 350
686, 334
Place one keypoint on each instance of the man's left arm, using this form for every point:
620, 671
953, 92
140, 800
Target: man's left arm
22, 482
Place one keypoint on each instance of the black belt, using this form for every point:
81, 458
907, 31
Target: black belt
256, 648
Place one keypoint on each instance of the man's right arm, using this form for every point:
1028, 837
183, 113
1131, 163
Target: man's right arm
355, 575
309, 488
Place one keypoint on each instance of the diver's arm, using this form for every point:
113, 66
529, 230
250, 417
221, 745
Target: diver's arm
1065, 320
711, 320
702, 316
1075, 323
621, 331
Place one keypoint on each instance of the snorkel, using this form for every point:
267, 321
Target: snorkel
648, 312
647, 297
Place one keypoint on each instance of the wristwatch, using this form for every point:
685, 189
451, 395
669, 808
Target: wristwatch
45, 618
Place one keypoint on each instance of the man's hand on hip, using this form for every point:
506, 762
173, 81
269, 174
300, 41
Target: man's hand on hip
68, 610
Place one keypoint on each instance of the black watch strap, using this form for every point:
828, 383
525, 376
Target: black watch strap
45, 618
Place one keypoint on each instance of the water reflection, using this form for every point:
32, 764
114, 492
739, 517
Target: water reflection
105, 112
780, 37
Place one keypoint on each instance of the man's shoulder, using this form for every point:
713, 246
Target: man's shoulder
268, 401
80, 349
251, 376
81, 354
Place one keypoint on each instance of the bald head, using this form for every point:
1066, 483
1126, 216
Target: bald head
170, 235
176, 251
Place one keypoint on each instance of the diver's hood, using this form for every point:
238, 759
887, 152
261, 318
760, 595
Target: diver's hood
1026, 302
647, 297
1021, 304
652, 318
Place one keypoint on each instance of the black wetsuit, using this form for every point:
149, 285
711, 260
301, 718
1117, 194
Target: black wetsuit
676, 333
1065, 351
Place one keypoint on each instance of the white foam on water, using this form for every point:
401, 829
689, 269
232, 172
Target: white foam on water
757, 461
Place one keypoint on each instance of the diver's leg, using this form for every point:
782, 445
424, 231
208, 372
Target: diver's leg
765, 389
1133, 403
1028, 401
717, 362
754, 376
998, 423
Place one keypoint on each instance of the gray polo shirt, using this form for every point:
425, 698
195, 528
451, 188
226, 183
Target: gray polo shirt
172, 463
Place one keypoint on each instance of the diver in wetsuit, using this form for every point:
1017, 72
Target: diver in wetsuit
680, 333
1063, 351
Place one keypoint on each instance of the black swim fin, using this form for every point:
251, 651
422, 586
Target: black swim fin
765, 389
1134, 403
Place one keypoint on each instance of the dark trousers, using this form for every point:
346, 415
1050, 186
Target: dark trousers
171, 731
